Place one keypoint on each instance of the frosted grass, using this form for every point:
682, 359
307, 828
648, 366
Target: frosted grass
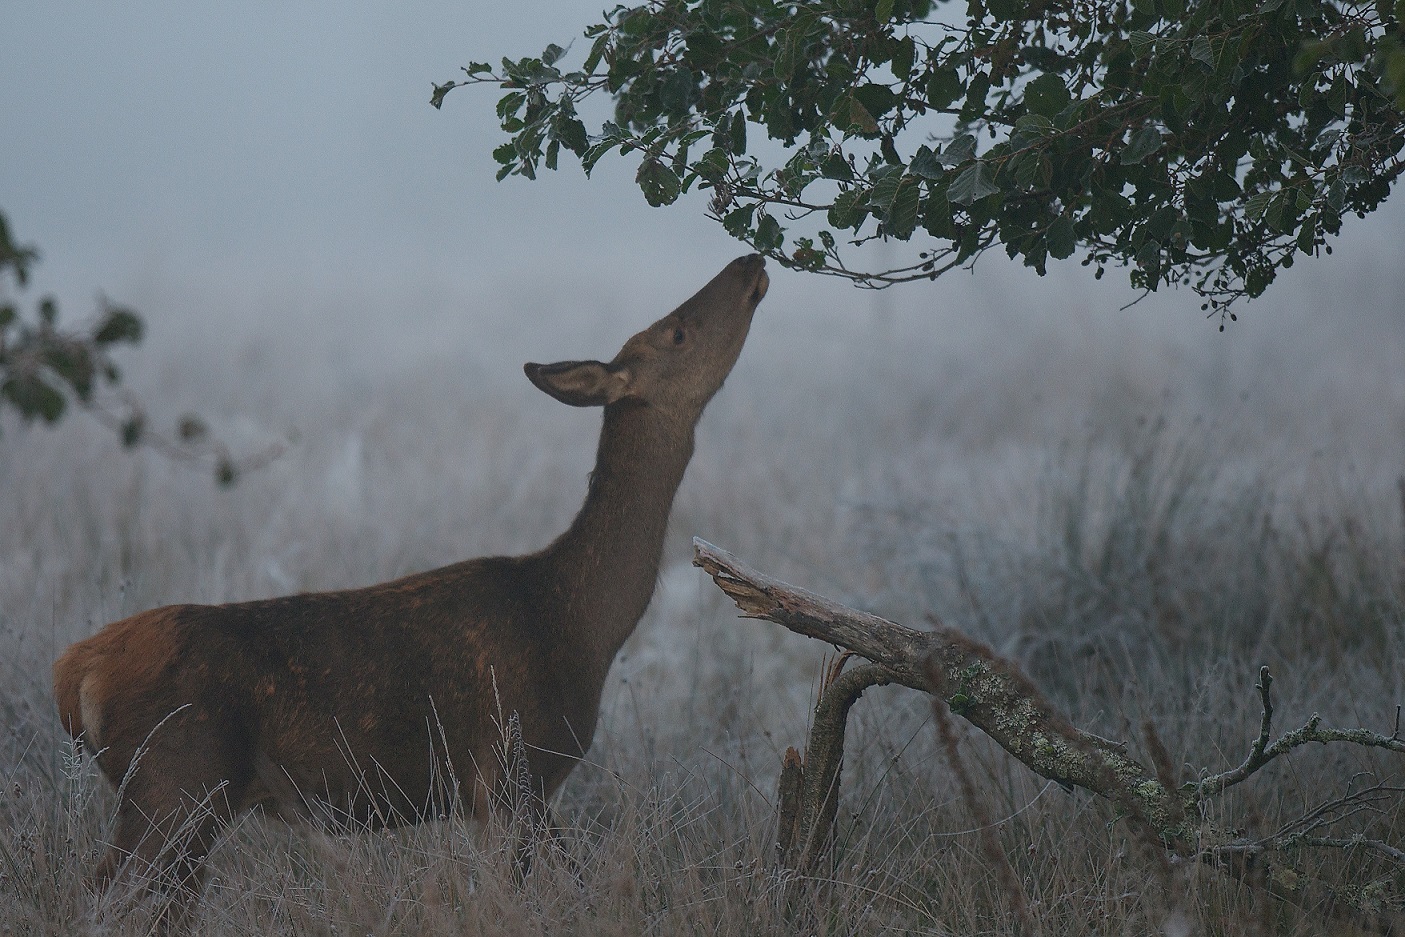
1139, 520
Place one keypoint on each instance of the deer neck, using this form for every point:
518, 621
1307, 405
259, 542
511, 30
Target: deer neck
607, 561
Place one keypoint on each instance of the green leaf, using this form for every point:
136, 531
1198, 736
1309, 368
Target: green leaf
936, 217
902, 216
835, 166
676, 94
571, 132
597, 52
1200, 51
437, 98
593, 154
971, 185
1035, 124
958, 151
768, 234
72, 362
713, 165
659, 183
1307, 237
849, 209
33, 398
944, 87
1144, 142
1149, 258
119, 325
552, 54
903, 54
506, 154
976, 91
883, 10
1046, 96
788, 46
736, 133
1033, 170
925, 164
1336, 196
1060, 239
510, 104
1255, 207
885, 186
738, 221
876, 99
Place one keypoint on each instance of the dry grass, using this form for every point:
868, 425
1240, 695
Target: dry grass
1139, 559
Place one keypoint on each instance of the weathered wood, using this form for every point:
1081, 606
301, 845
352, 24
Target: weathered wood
992, 694
811, 832
898, 649
978, 685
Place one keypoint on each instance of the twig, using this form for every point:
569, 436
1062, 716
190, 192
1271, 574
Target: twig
1261, 753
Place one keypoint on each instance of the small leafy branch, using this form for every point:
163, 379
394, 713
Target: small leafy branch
1200, 144
992, 694
46, 369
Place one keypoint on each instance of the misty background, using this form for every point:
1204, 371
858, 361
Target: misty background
321, 255
1136, 508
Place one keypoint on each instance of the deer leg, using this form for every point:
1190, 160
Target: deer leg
173, 804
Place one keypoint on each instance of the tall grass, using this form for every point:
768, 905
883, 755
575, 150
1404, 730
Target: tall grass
1139, 554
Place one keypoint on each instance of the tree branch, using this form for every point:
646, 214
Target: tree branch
978, 685
992, 694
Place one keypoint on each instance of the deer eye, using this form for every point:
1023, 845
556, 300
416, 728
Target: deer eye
679, 336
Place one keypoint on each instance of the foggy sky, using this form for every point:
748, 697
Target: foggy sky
220, 166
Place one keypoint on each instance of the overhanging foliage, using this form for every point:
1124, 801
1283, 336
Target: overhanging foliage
1198, 143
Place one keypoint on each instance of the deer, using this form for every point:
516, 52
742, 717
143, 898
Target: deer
348, 707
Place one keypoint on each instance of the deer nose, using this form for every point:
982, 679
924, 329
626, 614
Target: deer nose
763, 283
754, 267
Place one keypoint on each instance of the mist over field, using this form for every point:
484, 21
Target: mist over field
1129, 502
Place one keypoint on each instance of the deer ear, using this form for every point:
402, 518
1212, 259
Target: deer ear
580, 383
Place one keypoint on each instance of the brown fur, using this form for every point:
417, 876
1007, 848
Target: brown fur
357, 706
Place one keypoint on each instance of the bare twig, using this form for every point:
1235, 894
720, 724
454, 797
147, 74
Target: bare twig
1261, 753
1352, 842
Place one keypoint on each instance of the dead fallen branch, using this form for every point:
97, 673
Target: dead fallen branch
995, 696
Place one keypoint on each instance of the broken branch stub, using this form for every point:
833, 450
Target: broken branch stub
809, 787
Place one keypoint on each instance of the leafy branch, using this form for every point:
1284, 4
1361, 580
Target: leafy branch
46, 369
1199, 144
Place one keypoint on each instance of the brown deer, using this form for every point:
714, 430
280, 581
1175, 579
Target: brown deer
351, 707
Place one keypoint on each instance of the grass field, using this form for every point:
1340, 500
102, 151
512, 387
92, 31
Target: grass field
1141, 519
